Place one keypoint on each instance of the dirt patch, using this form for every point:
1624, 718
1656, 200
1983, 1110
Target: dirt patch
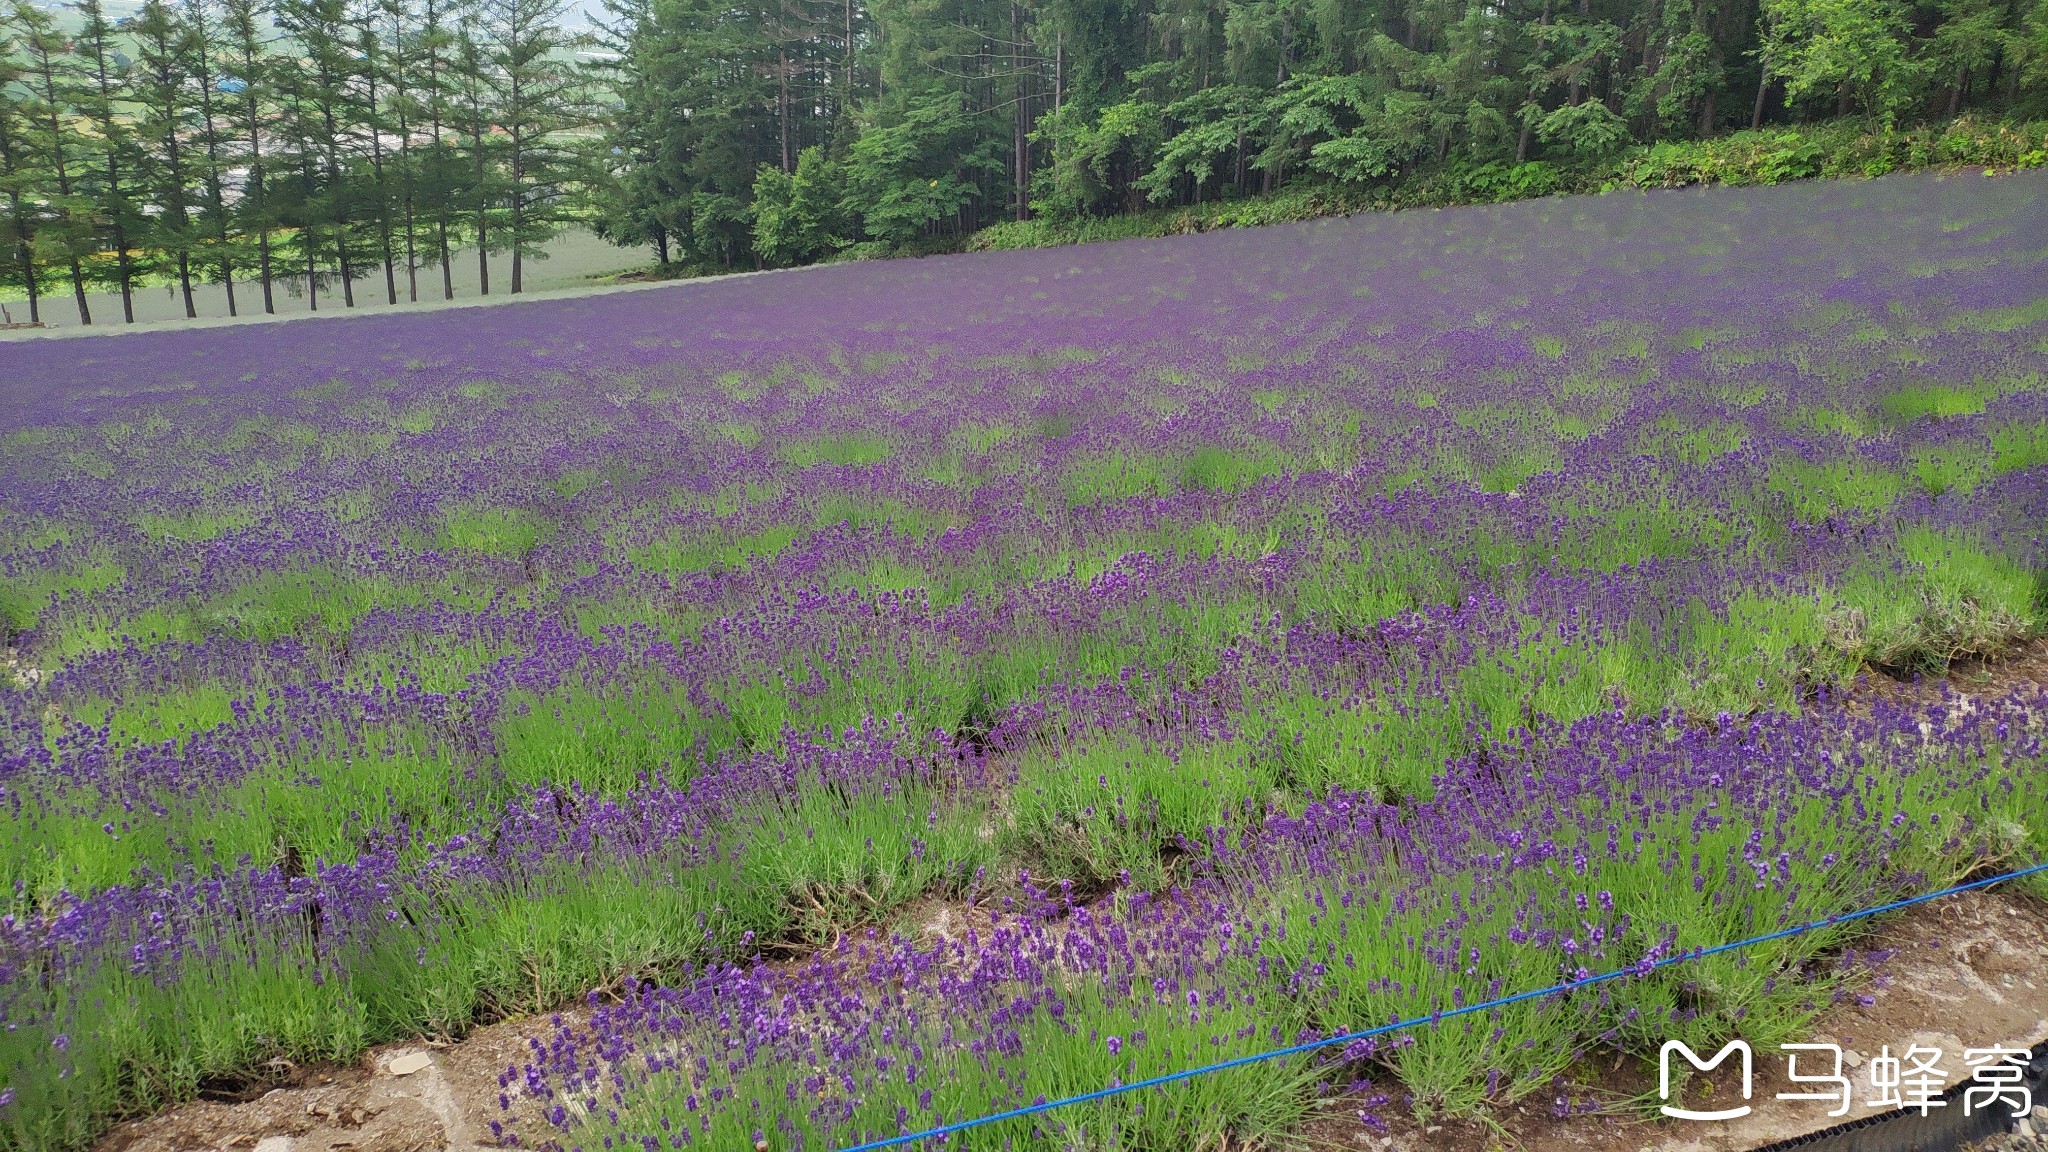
361, 1107
2027, 666
1967, 971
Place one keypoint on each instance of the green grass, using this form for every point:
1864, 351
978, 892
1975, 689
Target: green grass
853, 450
1930, 400
1115, 812
492, 531
1950, 599
1815, 491
712, 551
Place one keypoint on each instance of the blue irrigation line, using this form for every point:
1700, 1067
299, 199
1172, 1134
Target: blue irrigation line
1435, 1017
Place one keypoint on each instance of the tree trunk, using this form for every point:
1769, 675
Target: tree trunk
1763, 86
440, 156
309, 238
377, 176
46, 72
1707, 116
78, 292
1020, 146
412, 258
213, 189
124, 268
1578, 78
518, 194
177, 208
483, 210
26, 258
263, 272
334, 183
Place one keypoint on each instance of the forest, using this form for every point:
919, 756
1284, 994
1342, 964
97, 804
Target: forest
357, 147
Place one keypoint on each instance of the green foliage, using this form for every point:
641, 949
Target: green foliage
908, 174
1950, 600
1118, 811
1926, 400
1854, 49
797, 216
1586, 131
852, 450
496, 531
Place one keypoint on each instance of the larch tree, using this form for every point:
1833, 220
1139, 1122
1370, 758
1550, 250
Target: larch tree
161, 88
113, 143
202, 49
471, 73
374, 125
51, 83
537, 95
328, 114
244, 26
19, 174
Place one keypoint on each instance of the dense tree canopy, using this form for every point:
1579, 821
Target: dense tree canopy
787, 129
322, 143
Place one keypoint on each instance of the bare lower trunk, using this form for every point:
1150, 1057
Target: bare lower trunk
185, 284
1022, 158
447, 264
1707, 116
1763, 86
348, 276
412, 259
125, 268
227, 272
263, 271
78, 292
28, 265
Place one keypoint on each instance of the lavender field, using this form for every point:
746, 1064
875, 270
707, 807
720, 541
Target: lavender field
1234, 638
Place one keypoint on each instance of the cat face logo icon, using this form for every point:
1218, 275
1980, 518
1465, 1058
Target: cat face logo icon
1692, 1058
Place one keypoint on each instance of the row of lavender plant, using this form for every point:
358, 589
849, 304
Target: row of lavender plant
1617, 845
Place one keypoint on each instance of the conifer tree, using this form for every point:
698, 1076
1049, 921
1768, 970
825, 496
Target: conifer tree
161, 88
202, 56
244, 24
116, 153
19, 175
50, 85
